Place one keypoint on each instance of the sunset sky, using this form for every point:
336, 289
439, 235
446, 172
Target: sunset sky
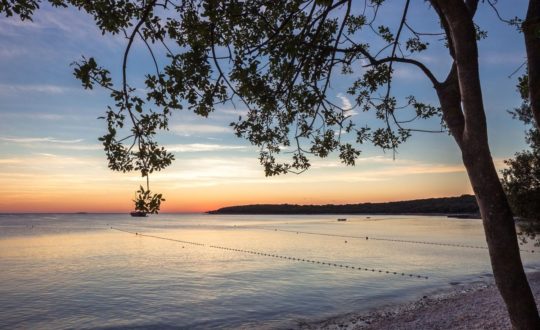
51, 161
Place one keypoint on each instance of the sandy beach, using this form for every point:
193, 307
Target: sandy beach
474, 306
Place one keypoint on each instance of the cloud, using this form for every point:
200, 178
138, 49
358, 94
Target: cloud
38, 140
424, 169
200, 147
190, 129
50, 143
345, 102
52, 174
41, 116
32, 88
79, 147
70, 22
498, 58
346, 105
206, 172
322, 163
55, 32
408, 73
11, 52
48, 162
234, 113
359, 174
4, 161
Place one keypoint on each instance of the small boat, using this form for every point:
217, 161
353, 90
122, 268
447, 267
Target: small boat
138, 214
341, 219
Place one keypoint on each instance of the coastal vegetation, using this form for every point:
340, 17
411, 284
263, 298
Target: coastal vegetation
278, 59
521, 179
465, 204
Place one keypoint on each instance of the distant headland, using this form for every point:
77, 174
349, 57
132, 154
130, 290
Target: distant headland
463, 206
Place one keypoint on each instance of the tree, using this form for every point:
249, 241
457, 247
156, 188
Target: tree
521, 180
531, 33
279, 59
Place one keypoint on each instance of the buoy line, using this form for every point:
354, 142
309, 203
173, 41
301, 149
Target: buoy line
277, 256
377, 238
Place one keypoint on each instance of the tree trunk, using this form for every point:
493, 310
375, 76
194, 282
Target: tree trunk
471, 137
501, 237
531, 32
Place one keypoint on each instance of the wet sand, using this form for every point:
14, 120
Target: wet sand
473, 306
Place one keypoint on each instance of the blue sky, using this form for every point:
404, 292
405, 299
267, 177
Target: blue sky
50, 158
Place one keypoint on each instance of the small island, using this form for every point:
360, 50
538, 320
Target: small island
463, 206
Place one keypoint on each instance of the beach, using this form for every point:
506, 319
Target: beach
472, 306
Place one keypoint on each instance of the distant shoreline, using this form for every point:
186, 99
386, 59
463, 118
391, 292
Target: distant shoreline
461, 207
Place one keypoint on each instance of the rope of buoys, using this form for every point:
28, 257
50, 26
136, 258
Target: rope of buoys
277, 256
379, 238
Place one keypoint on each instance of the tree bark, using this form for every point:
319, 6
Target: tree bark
531, 33
470, 133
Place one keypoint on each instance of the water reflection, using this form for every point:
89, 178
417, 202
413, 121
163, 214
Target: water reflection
74, 271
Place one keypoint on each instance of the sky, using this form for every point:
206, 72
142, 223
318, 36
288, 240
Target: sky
51, 160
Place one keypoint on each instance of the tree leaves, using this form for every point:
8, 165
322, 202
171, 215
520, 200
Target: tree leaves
278, 59
521, 178
147, 202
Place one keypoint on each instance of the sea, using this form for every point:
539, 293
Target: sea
200, 271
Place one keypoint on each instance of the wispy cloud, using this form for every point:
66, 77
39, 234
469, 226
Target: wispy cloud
11, 52
385, 170
346, 105
210, 171
32, 88
70, 116
76, 28
206, 172
345, 102
71, 22
508, 58
49, 162
424, 169
38, 140
230, 112
201, 147
407, 73
190, 129
8, 161
379, 160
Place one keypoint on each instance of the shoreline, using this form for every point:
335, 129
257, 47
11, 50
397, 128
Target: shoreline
471, 306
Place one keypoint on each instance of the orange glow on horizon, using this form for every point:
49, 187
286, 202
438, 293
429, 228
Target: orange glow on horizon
63, 186
211, 198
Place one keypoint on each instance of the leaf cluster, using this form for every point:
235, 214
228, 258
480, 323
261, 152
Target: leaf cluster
147, 202
521, 178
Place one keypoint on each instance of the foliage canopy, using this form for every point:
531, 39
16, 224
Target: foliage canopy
521, 180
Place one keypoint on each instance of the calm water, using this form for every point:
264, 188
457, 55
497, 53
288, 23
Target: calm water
74, 271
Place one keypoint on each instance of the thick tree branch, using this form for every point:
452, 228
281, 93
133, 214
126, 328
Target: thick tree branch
418, 64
